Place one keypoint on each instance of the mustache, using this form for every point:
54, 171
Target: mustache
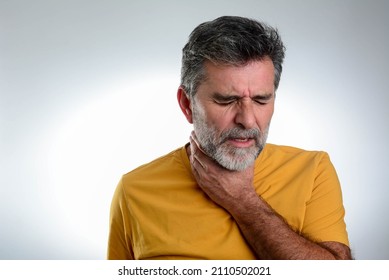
238, 132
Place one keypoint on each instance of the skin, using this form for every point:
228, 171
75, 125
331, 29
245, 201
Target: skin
234, 147
250, 93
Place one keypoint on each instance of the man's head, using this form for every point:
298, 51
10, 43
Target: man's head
231, 41
231, 69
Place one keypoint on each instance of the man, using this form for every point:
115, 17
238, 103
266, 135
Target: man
227, 194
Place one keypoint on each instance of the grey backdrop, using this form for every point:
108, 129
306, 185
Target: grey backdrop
88, 93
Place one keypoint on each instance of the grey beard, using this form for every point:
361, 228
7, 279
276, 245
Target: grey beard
231, 158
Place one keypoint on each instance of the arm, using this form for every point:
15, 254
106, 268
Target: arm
267, 233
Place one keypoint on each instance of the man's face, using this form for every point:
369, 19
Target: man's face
232, 110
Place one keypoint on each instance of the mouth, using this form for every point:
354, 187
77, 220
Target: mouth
241, 142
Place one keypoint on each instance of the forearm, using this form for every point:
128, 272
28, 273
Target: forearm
270, 236
267, 233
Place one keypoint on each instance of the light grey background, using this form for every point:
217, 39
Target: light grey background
88, 92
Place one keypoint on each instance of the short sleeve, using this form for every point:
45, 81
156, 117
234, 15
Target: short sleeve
324, 217
119, 239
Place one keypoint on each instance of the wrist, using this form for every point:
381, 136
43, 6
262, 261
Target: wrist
245, 204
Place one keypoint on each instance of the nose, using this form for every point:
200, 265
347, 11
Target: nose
245, 116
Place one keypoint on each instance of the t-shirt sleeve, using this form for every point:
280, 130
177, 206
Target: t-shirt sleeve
324, 217
119, 239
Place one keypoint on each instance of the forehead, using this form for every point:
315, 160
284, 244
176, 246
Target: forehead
255, 76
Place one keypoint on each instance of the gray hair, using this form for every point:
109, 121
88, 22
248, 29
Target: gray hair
229, 40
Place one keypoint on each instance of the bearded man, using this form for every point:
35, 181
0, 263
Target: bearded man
227, 194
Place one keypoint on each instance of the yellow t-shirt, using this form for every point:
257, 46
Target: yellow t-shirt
159, 212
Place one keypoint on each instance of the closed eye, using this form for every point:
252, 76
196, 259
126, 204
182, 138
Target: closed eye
263, 99
260, 101
224, 100
230, 99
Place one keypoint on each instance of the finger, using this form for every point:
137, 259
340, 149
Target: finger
194, 139
195, 160
194, 148
194, 152
200, 163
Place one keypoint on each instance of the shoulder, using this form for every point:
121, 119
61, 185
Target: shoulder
272, 151
292, 160
273, 148
172, 163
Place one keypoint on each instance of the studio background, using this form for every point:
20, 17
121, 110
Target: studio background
88, 92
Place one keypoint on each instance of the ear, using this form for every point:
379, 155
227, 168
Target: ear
185, 105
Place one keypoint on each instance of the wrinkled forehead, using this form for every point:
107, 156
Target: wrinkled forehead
255, 76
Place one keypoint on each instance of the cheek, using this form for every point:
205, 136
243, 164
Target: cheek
264, 117
222, 119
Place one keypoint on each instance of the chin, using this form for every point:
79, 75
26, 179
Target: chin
237, 159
